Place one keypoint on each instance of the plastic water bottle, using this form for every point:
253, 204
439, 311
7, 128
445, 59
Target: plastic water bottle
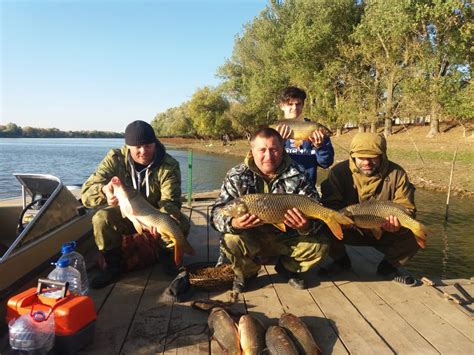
76, 260
32, 333
65, 273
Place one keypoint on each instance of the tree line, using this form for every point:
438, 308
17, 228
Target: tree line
366, 63
11, 130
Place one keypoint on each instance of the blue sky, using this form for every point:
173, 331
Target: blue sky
100, 64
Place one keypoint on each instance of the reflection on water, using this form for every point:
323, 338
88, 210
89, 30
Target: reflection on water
450, 247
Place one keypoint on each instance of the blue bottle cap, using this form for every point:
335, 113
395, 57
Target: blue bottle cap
68, 247
62, 262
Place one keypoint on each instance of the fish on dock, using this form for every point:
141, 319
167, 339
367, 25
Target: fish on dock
302, 130
372, 215
271, 209
278, 342
252, 335
299, 333
142, 214
224, 331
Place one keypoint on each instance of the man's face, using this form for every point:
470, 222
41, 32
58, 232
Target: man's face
292, 108
368, 166
267, 154
142, 154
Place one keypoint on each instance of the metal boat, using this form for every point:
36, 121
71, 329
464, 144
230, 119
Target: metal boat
34, 226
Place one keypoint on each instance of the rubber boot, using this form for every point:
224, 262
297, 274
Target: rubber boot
111, 272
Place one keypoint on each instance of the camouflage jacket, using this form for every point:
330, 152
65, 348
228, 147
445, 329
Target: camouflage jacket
164, 180
246, 179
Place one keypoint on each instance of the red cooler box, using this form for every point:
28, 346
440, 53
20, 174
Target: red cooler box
74, 316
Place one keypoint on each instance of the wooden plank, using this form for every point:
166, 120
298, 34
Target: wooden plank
188, 332
149, 327
301, 304
425, 313
400, 336
355, 332
117, 313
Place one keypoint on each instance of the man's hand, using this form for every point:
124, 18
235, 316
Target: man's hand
284, 130
296, 220
246, 221
317, 138
391, 224
108, 191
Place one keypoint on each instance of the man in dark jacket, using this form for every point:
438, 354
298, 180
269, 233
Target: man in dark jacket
144, 164
369, 175
268, 169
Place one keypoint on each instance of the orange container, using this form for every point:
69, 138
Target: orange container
74, 315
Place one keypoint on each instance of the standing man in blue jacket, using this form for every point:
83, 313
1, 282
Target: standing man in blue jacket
314, 152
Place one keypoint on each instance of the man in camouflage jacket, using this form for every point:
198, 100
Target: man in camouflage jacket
144, 164
268, 169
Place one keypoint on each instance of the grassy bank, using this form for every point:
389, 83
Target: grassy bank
431, 171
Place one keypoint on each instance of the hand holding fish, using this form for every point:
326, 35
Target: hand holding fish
284, 130
108, 191
392, 224
317, 138
246, 221
296, 220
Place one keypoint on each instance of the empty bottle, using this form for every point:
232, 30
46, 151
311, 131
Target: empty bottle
65, 273
76, 260
32, 333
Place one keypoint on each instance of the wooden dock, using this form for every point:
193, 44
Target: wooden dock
356, 313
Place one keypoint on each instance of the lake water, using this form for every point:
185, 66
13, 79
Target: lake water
450, 250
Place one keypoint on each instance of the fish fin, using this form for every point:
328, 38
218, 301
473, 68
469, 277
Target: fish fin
334, 222
377, 233
280, 226
137, 226
180, 249
420, 232
334, 227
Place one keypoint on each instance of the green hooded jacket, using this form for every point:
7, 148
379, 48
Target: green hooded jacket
345, 185
164, 180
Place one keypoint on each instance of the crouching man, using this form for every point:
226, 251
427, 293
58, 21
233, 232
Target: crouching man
268, 169
144, 164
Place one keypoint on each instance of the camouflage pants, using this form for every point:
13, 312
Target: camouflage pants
109, 226
298, 253
398, 247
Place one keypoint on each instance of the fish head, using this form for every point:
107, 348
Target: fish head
121, 190
235, 208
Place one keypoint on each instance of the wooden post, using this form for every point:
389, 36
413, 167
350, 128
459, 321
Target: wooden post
449, 186
190, 177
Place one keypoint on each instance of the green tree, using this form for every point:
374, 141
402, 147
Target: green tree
206, 110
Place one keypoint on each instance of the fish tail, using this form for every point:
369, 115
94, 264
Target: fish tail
334, 221
420, 231
180, 249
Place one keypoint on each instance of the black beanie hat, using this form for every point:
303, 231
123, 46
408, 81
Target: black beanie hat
139, 133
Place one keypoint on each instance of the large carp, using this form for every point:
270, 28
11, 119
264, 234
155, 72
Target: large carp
224, 331
142, 214
271, 208
372, 214
302, 130
299, 333
278, 342
252, 335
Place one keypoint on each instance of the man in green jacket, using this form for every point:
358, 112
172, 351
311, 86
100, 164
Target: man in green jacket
369, 175
144, 164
